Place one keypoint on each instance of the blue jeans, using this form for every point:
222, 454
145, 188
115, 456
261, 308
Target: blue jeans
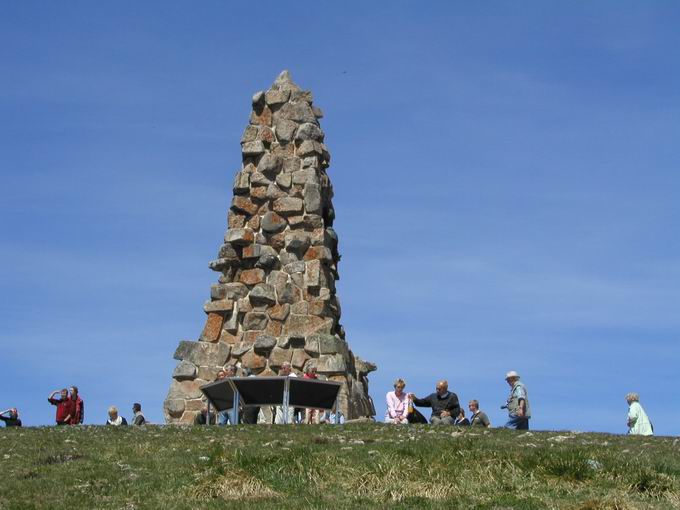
517, 423
224, 417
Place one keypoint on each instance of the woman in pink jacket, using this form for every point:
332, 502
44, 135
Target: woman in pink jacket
397, 404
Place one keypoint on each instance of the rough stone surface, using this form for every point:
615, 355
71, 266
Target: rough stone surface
275, 300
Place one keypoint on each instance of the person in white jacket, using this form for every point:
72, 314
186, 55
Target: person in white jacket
638, 421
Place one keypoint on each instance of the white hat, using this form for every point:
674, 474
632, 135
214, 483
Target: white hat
512, 373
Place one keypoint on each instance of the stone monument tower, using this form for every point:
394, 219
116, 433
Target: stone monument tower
275, 299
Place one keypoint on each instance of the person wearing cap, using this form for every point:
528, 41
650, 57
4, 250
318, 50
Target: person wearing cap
519, 411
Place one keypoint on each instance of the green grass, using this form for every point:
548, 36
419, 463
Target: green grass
351, 466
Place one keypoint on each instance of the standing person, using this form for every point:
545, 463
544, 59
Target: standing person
79, 407
139, 419
250, 413
478, 418
12, 418
461, 420
114, 418
517, 404
638, 421
397, 404
444, 404
286, 370
65, 406
311, 415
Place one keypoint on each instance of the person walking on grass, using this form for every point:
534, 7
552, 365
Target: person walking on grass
444, 404
519, 411
65, 407
10, 417
638, 421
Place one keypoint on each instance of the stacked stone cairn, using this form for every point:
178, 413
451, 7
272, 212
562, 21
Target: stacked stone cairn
275, 300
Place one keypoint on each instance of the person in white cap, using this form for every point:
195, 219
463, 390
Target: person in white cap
517, 404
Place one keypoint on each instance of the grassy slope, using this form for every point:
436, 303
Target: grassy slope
348, 466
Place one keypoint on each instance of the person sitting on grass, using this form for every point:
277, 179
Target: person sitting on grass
65, 407
444, 404
397, 404
478, 418
139, 419
461, 420
114, 418
12, 418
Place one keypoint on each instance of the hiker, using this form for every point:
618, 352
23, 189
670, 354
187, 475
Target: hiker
224, 417
312, 415
461, 420
65, 406
517, 404
114, 418
444, 404
286, 370
79, 411
12, 418
139, 419
638, 421
397, 404
478, 418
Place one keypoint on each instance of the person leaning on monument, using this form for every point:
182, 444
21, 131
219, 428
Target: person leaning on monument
444, 404
286, 370
397, 404
65, 406
519, 411
477, 418
638, 421
12, 418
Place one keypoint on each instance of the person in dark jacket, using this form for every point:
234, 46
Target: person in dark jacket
444, 404
12, 418
461, 420
115, 419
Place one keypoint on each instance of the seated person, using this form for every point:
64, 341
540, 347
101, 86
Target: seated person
139, 418
224, 417
200, 418
461, 420
12, 418
478, 418
444, 404
114, 418
397, 404
286, 370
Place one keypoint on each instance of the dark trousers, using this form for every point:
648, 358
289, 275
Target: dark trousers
249, 415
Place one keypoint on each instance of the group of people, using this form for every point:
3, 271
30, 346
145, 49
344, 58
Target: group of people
446, 409
445, 406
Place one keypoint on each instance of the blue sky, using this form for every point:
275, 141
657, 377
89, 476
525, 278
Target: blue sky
505, 178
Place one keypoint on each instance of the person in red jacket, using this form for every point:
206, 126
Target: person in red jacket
65, 407
79, 407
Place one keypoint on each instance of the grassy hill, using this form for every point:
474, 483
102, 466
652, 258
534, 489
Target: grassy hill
350, 466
